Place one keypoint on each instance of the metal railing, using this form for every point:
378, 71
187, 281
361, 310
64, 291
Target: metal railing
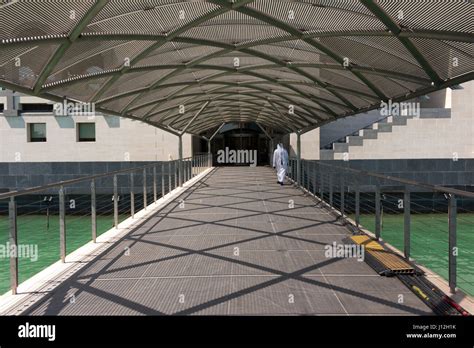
406, 213
113, 195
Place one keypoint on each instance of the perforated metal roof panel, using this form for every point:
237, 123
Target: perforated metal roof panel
253, 59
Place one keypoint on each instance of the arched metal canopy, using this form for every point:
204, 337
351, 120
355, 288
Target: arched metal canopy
288, 65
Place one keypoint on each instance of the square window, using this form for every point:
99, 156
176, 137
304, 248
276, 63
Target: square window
86, 132
36, 132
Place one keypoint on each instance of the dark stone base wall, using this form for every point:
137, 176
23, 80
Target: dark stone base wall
440, 172
444, 172
21, 175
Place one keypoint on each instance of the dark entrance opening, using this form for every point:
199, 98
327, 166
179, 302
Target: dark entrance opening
240, 144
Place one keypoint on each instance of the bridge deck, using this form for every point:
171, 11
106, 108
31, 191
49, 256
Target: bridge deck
234, 248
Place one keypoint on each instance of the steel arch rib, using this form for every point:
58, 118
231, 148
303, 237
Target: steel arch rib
73, 35
226, 108
396, 30
298, 34
220, 91
316, 113
231, 84
175, 33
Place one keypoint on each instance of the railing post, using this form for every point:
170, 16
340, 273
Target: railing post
180, 173
357, 205
452, 243
330, 191
298, 159
305, 175
180, 161
190, 176
154, 184
13, 241
132, 195
93, 212
190, 169
115, 201
406, 222
162, 179
175, 167
342, 207
290, 168
314, 177
321, 187
169, 176
188, 173
183, 167
292, 165
302, 184
62, 224
144, 189
378, 220
320, 172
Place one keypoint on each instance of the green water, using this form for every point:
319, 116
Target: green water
429, 242
32, 230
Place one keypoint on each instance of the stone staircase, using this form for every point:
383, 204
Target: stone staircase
373, 131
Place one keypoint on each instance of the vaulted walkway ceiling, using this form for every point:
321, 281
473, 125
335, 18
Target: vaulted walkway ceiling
288, 65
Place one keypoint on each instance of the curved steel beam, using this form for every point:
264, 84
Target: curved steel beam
426, 90
184, 119
73, 35
214, 124
262, 77
226, 116
249, 112
175, 72
228, 102
395, 29
365, 70
298, 34
208, 123
246, 51
445, 35
317, 81
169, 37
232, 84
221, 91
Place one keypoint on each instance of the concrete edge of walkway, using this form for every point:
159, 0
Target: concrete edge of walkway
463, 299
51, 277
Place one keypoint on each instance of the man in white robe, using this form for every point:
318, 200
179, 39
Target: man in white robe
280, 162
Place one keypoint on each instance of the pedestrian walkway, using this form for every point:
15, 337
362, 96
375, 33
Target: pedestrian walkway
235, 243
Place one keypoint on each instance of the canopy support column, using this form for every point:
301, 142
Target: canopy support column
209, 142
180, 145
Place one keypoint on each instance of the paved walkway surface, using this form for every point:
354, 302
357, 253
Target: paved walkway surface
231, 245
